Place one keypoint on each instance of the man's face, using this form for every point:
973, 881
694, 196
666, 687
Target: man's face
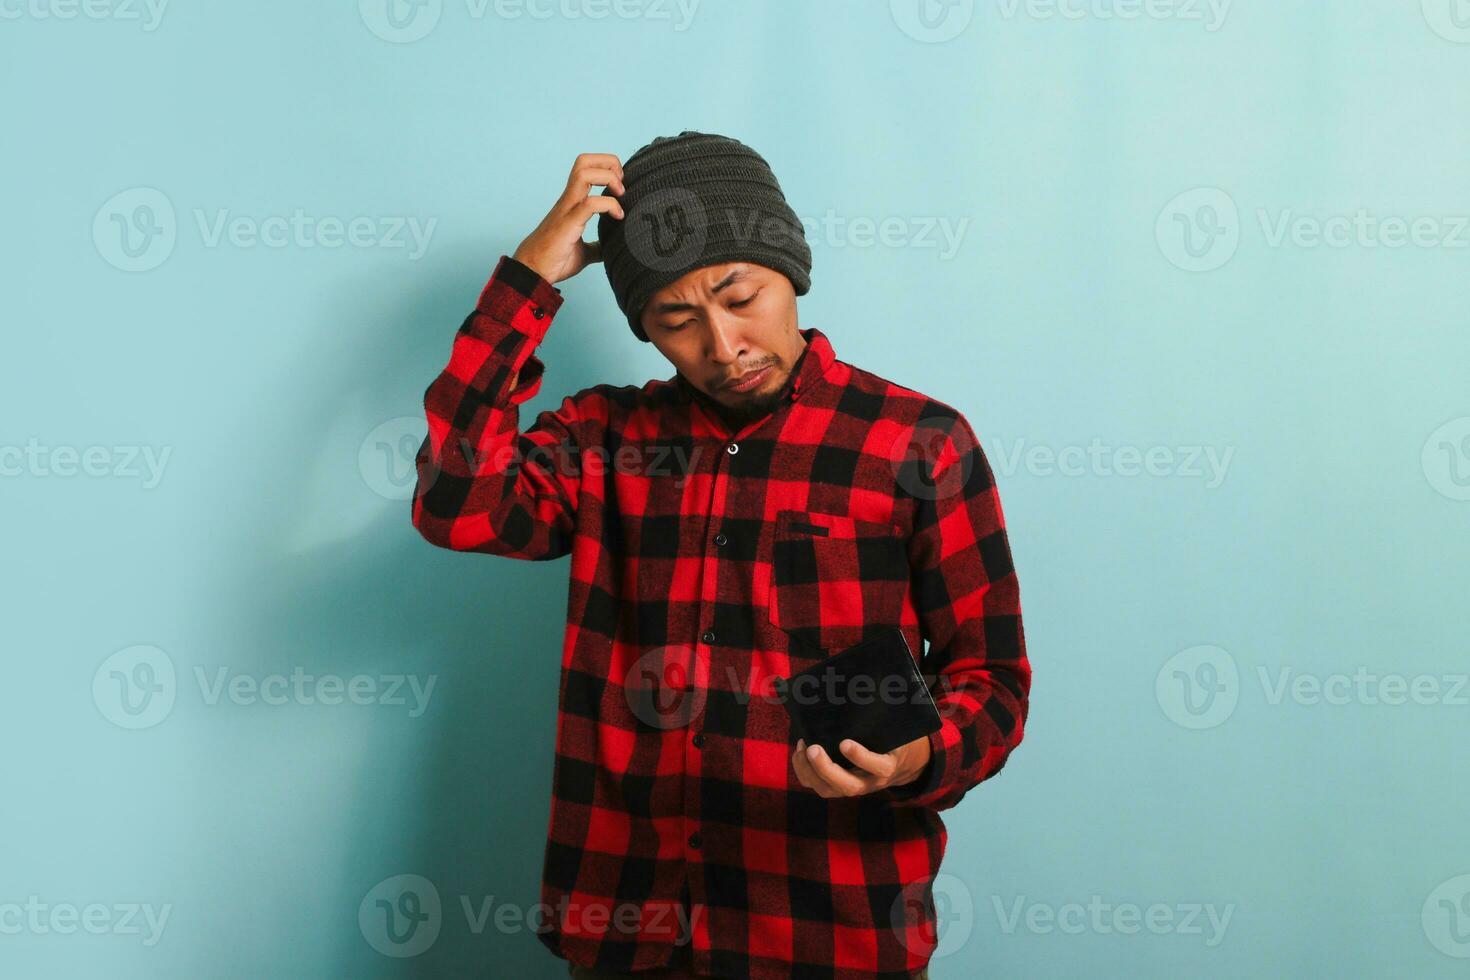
733, 322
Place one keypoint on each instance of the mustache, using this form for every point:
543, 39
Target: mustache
754, 367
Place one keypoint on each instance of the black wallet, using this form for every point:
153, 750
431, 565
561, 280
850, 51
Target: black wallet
871, 693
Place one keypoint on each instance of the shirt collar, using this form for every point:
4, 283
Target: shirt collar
811, 367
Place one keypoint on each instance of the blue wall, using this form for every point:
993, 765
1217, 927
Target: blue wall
1196, 273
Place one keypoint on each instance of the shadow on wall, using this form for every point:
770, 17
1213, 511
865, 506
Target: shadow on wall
343, 584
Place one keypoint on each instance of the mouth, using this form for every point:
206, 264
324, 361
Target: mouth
748, 380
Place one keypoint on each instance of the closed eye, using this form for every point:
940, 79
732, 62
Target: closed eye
744, 302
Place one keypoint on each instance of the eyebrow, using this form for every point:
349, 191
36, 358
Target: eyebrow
736, 276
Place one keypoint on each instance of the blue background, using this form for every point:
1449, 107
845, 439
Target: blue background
1117, 183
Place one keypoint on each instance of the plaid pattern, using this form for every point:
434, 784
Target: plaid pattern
704, 563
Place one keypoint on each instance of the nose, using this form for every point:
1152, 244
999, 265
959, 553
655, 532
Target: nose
725, 343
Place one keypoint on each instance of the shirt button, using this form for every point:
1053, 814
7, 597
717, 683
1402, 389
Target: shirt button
695, 840
721, 540
708, 636
733, 448
698, 739
538, 313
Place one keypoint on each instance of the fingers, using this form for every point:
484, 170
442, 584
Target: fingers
591, 169
816, 771
557, 241
872, 762
606, 160
592, 205
583, 181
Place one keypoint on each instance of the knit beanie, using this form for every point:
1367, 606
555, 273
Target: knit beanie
694, 200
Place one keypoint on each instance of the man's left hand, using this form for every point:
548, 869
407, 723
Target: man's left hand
875, 770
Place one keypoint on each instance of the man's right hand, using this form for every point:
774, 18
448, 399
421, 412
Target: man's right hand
555, 250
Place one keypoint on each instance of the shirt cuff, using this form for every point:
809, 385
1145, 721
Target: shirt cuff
519, 297
514, 285
930, 777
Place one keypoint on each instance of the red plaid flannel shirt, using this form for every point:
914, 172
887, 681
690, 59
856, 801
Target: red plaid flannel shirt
704, 563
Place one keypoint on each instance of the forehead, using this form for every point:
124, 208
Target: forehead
709, 277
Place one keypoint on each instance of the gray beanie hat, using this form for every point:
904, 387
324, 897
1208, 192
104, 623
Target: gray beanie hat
694, 200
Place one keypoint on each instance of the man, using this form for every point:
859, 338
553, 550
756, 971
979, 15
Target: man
766, 507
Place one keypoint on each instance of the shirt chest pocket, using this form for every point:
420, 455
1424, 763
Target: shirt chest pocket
835, 580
